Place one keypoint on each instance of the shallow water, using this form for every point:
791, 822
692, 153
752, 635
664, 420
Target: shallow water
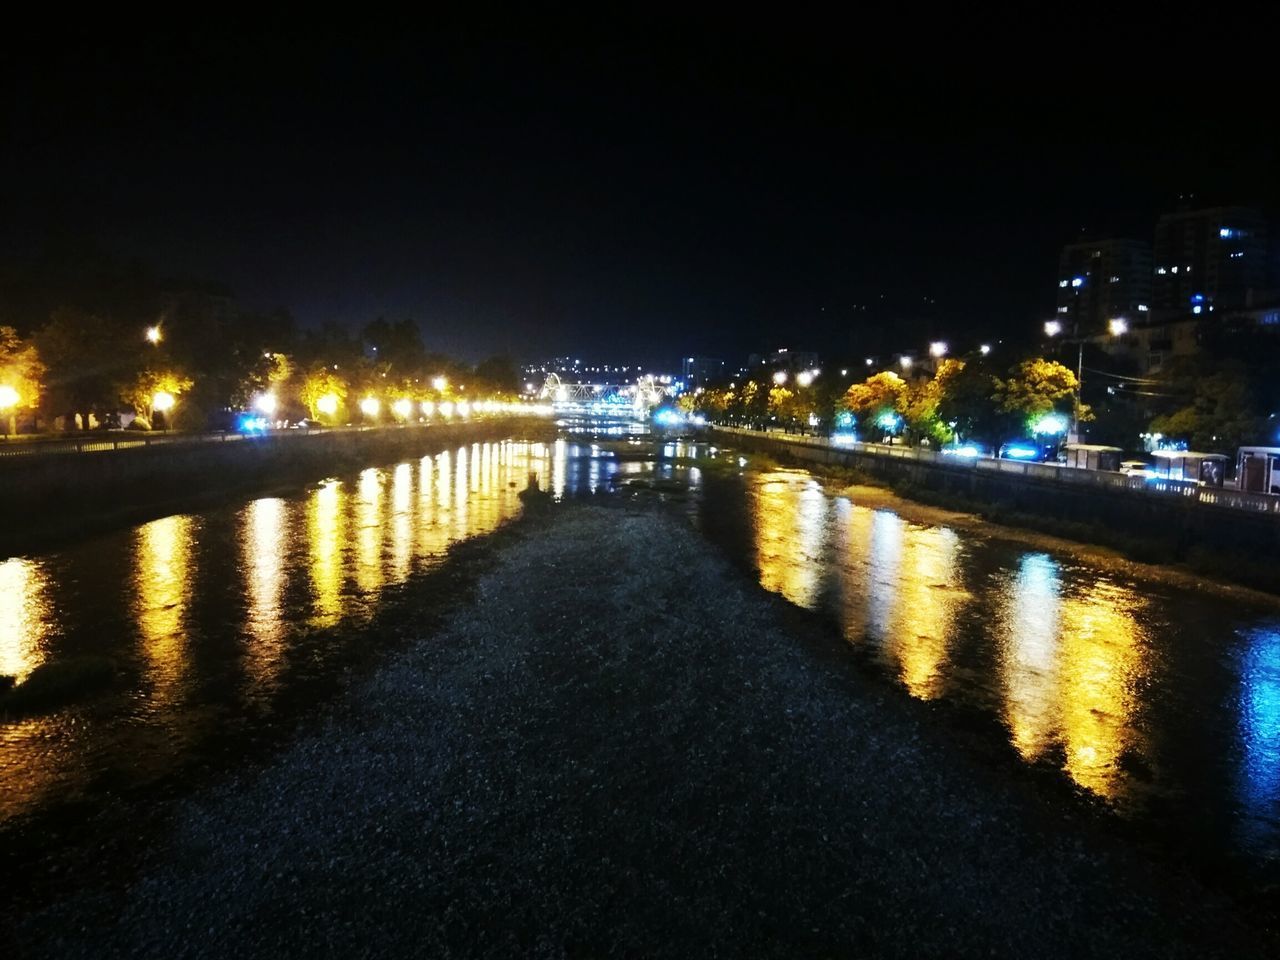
1162, 701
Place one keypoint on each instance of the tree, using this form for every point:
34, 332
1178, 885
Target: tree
497, 376
141, 392
1036, 388
20, 376
322, 387
87, 359
879, 394
923, 397
1223, 412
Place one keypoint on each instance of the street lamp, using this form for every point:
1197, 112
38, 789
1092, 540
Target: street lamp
154, 335
1119, 326
938, 349
780, 377
906, 362
984, 349
265, 403
327, 405
439, 384
804, 378
8, 400
1052, 328
370, 406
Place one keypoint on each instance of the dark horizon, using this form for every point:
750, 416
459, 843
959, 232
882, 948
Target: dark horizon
620, 199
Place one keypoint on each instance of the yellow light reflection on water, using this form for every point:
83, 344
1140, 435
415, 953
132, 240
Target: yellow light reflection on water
789, 517
928, 601
23, 616
369, 520
326, 534
1072, 661
262, 541
401, 522
161, 595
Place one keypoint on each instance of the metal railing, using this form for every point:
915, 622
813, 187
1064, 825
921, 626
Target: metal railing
1186, 490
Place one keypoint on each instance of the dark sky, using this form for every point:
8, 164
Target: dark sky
635, 193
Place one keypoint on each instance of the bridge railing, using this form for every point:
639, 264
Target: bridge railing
1187, 490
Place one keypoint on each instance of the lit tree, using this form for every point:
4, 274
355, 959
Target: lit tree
20, 376
319, 385
879, 394
1037, 387
141, 392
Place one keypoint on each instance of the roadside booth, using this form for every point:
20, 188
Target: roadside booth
1207, 469
1258, 469
1092, 456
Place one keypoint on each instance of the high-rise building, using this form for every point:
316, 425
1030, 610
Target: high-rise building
699, 371
1207, 260
1101, 281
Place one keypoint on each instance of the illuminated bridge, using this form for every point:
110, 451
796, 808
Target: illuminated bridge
622, 400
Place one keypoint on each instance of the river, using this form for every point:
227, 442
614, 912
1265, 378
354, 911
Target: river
1161, 701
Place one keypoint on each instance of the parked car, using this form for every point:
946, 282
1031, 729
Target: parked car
1137, 468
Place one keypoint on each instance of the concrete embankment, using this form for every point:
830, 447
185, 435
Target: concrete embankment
47, 498
1232, 544
604, 755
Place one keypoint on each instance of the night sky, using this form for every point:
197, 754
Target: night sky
630, 194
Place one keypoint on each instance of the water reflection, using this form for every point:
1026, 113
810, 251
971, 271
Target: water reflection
326, 521
24, 615
1258, 708
161, 595
263, 538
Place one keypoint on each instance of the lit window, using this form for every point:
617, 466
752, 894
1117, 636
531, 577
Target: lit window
1197, 308
1064, 309
1175, 269
1226, 233
1142, 308
1063, 283
1237, 255
1115, 280
1161, 270
1077, 282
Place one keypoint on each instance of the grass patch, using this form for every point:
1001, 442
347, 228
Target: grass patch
56, 684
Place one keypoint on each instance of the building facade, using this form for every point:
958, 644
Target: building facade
1208, 260
1101, 281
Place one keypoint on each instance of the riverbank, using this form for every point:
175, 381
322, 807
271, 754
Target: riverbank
1200, 543
49, 501
618, 745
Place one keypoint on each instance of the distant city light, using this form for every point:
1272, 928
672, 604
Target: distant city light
1118, 326
938, 348
1052, 328
1020, 452
154, 335
266, 402
328, 404
844, 371
370, 406
463, 408
428, 408
804, 378
780, 377
402, 408
905, 361
446, 409
439, 384
1077, 282
984, 349
871, 361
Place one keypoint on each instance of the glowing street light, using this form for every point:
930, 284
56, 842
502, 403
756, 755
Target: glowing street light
328, 404
266, 403
1118, 326
871, 361
8, 397
154, 335
780, 377
163, 401
428, 408
804, 378
439, 384
906, 362
984, 349
938, 349
402, 408
370, 406
1052, 328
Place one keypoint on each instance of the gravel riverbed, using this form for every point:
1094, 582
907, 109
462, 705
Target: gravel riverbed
621, 747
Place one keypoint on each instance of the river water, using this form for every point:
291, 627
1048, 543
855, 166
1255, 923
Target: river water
1162, 702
